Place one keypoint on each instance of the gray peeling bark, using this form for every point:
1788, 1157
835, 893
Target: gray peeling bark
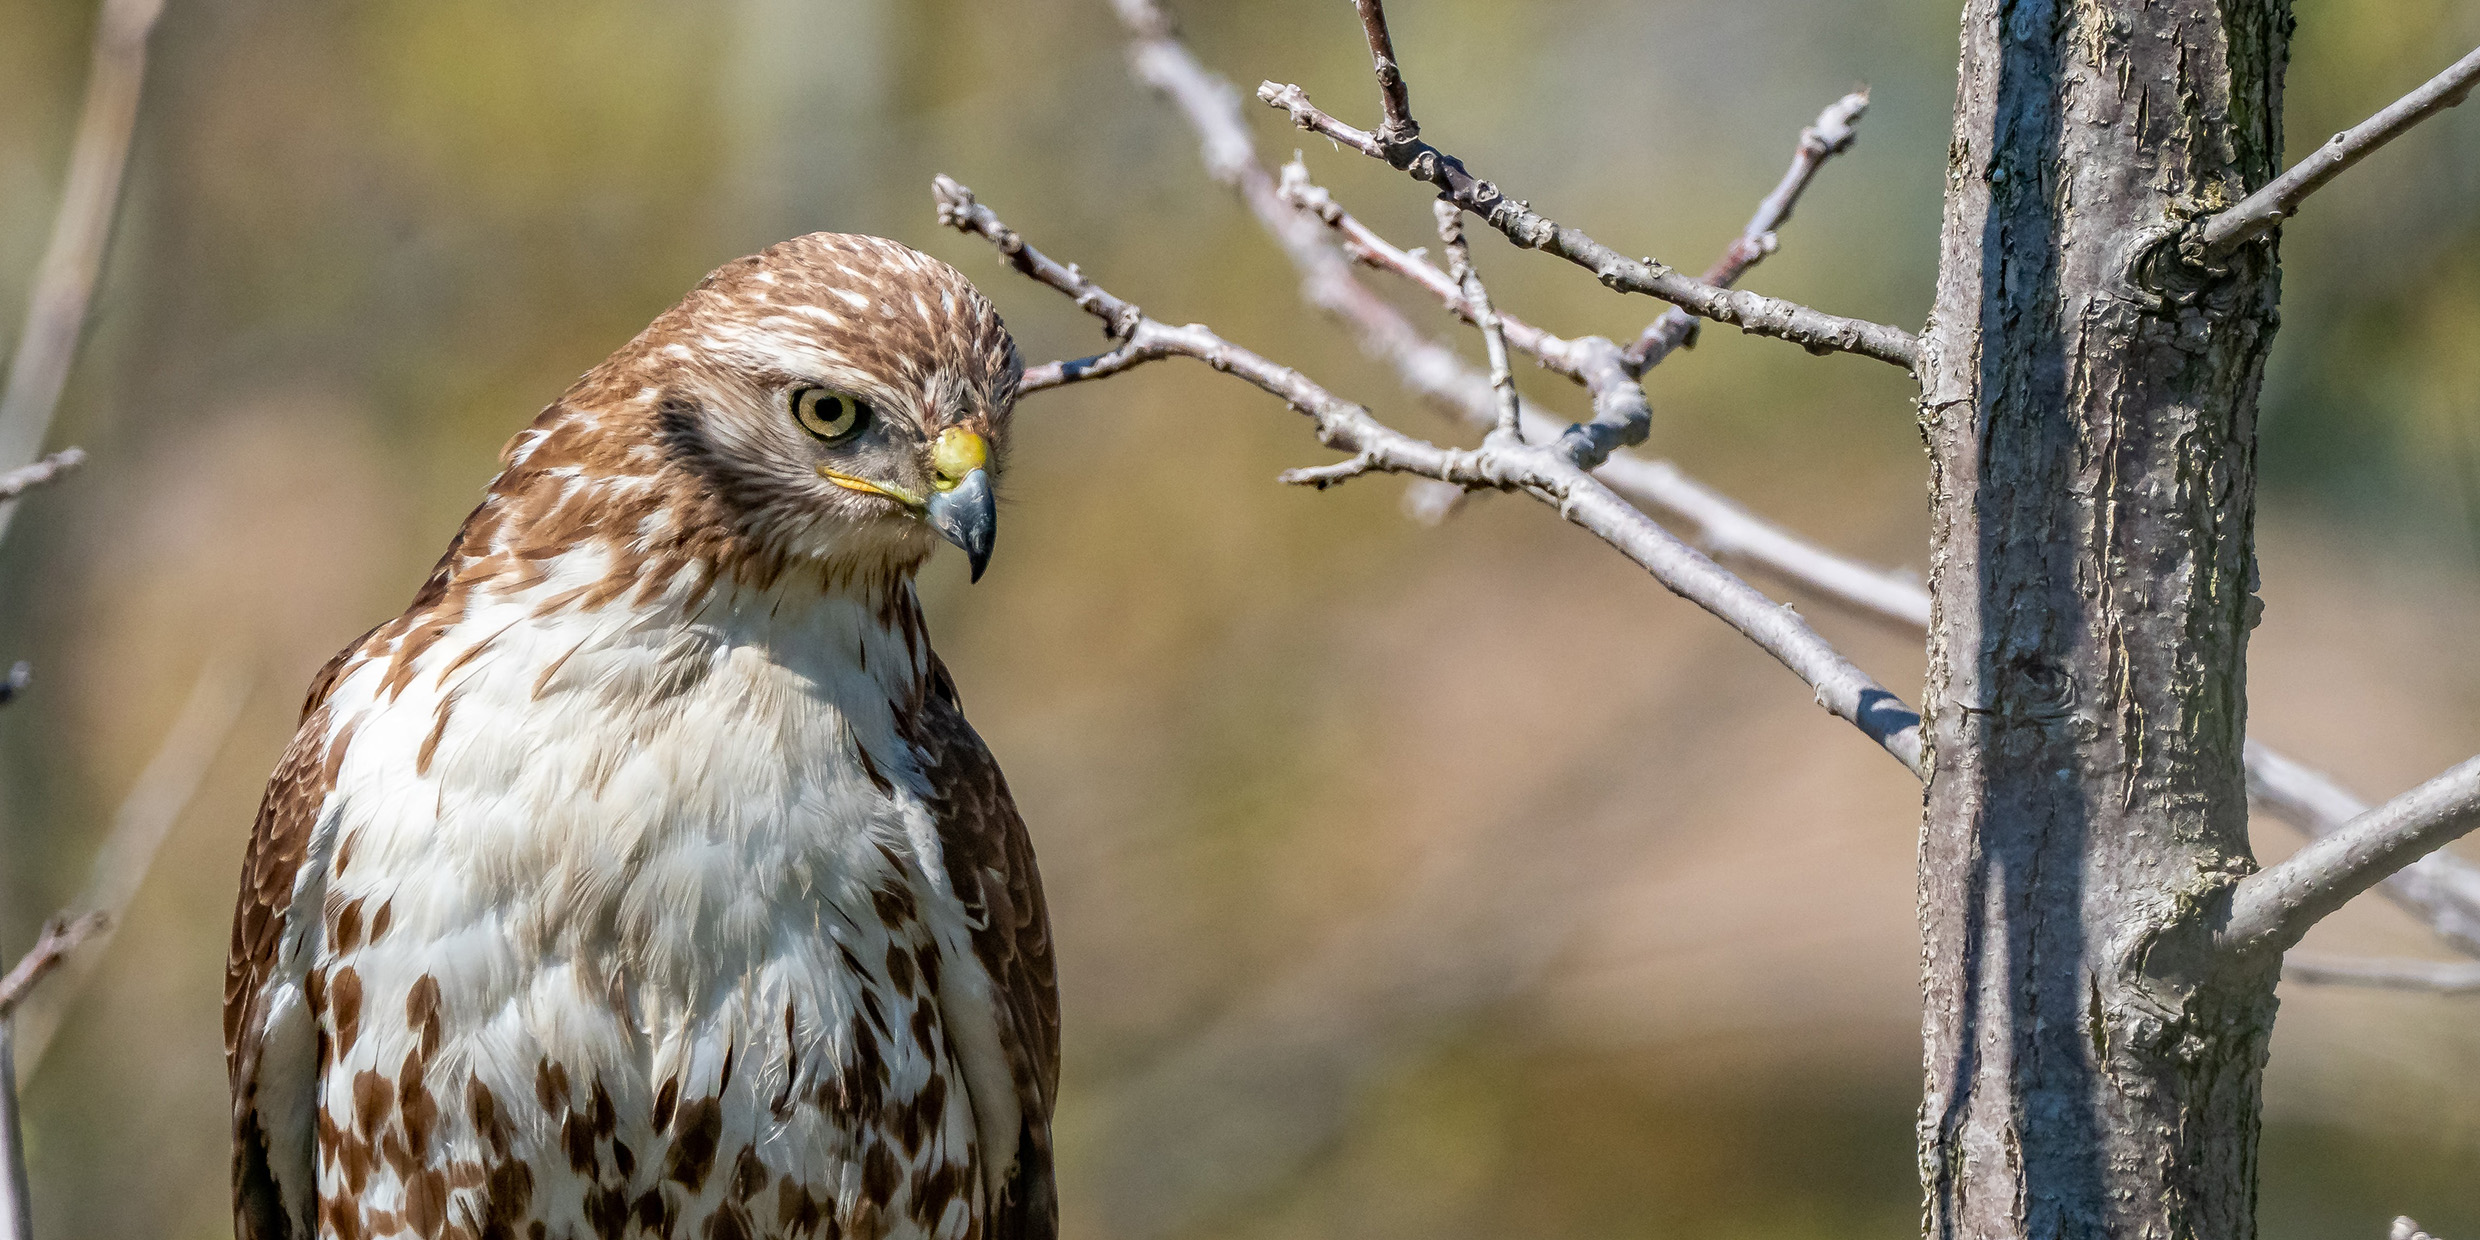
2090, 409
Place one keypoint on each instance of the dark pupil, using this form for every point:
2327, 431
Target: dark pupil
834, 414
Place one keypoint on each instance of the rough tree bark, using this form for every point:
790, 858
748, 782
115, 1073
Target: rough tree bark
2089, 400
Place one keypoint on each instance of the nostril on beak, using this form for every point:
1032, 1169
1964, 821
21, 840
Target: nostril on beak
957, 454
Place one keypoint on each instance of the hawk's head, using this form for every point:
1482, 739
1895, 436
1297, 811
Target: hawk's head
838, 399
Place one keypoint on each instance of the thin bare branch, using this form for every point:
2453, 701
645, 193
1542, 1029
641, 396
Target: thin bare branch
1296, 212
1621, 415
2441, 890
1474, 294
1814, 330
2437, 977
1395, 102
64, 285
44, 472
1373, 447
1079, 369
1721, 528
1393, 99
2261, 212
2271, 909
1370, 248
164, 789
1728, 532
1830, 136
1213, 109
63, 934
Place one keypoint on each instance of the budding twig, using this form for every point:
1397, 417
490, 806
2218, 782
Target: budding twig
1477, 296
1832, 135
2259, 213
1372, 447
1621, 415
1814, 330
1394, 100
1368, 247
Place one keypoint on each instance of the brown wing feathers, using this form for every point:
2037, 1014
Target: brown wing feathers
990, 860
279, 843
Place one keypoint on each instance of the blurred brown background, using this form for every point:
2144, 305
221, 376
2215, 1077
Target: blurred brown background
1409, 882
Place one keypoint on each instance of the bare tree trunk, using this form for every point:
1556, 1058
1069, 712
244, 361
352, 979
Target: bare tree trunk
2090, 408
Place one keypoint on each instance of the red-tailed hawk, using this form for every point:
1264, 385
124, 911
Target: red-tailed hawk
644, 878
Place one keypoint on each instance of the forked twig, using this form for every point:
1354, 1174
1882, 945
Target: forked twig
1831, 135
63, 934
64, 287
1476, 296
1394, 99
1814, 330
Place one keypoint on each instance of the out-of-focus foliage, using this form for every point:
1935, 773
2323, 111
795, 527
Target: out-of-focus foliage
1409, 882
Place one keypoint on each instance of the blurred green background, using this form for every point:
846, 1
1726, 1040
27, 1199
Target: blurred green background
1410, 882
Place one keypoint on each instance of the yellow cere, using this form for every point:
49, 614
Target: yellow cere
957, 453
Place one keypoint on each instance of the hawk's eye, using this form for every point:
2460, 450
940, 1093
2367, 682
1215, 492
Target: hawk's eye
831, 416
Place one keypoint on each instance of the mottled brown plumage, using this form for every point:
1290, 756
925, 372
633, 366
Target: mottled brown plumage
644, 877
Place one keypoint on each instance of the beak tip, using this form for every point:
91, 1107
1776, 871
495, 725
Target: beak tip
968, 517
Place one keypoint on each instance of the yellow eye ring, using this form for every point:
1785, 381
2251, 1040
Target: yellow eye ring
831, 416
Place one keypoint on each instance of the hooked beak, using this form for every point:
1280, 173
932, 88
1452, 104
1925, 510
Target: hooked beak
967, 516
963, 509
